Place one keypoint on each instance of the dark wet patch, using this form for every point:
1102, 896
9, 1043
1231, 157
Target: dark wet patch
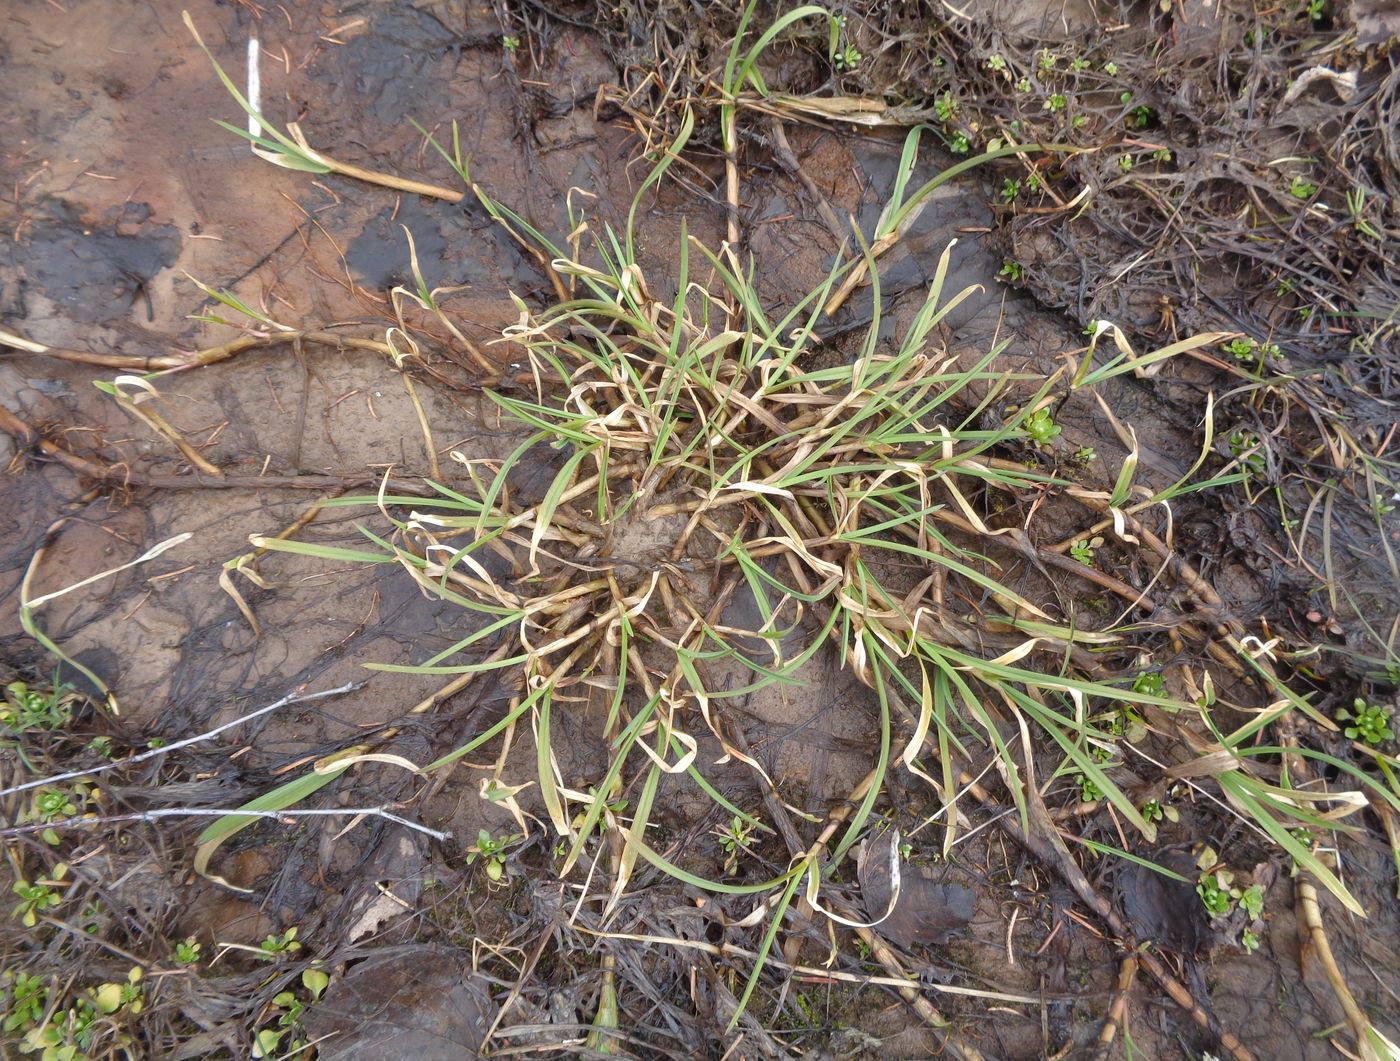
391, 71
1164, 910
421, 1002
453, 250
926, 911
92, 271
948, 211
101, 661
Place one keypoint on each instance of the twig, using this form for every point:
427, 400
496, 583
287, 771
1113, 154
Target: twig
729, 950
290, 698
28, 436
1118, 1012
215, 812
208, 356
1043, 840
790, 162
161, 426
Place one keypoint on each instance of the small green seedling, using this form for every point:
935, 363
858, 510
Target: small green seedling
1139, 117
28, 1002
1356, 206
56, 804
269, 1040
24, 709
1128, 723
50, 804
1218, 891
1125, 163
1251, 901
1085, 455
1301, 189
1083, 550
1011, 270
36, 898
945, 106
1214, 890
101, 746
959, 144
848, 58
616, 807
1110, 68
1041, 426
491, 851
65, 1036
1246, 447
1249, 350
1150, 683
315, 981
734, 838
109, 998
996, 61
510, 44
187, 951
1370, 723
1101, 753
1010, 188
1055, 103
280, 946
1249, 941
1089, 792
1154, 810
1240, 349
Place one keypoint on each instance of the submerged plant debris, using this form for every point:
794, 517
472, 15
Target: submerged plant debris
771, 532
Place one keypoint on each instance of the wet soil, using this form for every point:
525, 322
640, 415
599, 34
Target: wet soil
125, 194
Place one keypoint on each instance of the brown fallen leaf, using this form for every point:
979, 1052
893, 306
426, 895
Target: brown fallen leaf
925, 911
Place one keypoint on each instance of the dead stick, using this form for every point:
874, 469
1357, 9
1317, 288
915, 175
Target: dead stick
925, 1009
208, 356
1312, 918
788, 158
1118, 1012
166, 429
27, 436
1043, 840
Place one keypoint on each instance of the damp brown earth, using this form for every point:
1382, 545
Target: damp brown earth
126, 208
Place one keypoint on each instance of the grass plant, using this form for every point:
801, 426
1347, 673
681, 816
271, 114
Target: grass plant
699, 452
695, 452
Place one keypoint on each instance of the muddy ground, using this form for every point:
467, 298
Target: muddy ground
120, 195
